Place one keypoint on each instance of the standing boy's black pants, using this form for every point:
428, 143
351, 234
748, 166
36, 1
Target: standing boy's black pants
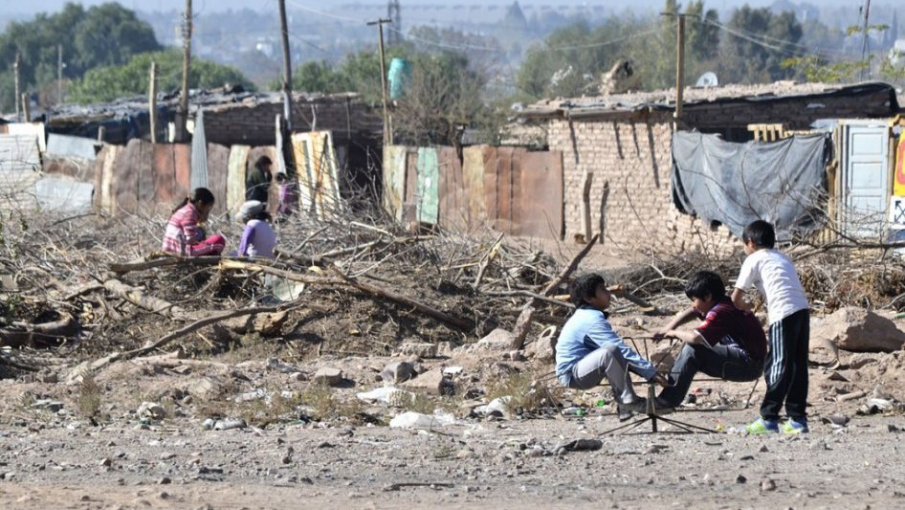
786, 370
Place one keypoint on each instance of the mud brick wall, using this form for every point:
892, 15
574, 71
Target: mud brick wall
631, 201
254, 123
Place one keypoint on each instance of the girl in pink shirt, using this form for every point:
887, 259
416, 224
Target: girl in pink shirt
183, 236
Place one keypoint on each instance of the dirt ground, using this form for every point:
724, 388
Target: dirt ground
59, 459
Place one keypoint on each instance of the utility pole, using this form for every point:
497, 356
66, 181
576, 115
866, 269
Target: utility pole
181, 131
387, 135
152, 101
59, 74
864, 41
680, 64
26, 107
16, 66
394, 12
287, 70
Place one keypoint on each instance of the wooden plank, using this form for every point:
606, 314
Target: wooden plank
217, 176
473, 169
453, 198
146, 174
235, 180
393, 179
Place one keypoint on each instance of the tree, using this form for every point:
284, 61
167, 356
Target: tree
106, 34
108, 83
756, 44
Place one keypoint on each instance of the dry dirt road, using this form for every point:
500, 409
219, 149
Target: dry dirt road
503, 464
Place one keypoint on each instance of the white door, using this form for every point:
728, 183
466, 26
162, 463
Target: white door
865, 178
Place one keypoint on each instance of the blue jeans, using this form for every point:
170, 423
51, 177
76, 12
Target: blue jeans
719, 361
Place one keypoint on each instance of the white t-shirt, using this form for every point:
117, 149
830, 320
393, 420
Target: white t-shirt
773, 273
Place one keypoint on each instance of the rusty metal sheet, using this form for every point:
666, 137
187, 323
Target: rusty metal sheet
125, 177
540, 195
164, 174
393, 179
235, 185
146, 197
217, 174
473, 180
182, 156
453, 197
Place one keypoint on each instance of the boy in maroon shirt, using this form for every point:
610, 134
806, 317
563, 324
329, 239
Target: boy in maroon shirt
729, 344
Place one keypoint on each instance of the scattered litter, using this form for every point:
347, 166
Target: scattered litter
579, 445
229, 424
413, 420
388, 395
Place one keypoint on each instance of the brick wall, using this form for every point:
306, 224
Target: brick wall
631, 202
254, 123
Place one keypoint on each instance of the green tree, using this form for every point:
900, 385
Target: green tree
106, 34
108, 83
757, 43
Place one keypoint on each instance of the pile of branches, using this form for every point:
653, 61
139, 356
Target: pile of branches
94, 285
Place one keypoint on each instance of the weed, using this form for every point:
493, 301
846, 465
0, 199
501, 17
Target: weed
89, 401
321, 400
526, 395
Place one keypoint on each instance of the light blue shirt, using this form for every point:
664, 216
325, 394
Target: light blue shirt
586, 331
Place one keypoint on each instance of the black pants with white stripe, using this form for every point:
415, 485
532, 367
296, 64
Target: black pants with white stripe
786, 370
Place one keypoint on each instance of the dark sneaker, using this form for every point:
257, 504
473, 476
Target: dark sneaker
662, 407
627, 410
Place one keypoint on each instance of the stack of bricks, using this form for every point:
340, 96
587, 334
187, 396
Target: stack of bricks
630, 196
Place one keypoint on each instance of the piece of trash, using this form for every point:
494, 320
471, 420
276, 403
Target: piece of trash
573, 411
839, 420
452, 370
413, 420
388, 395
601, 403
229, 424
498, 406
580, 445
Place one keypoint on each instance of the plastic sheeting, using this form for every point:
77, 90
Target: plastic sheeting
235, 179
735, 183
428, 201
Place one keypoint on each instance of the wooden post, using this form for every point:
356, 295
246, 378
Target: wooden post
152, 101
26, 108
101, 131
59, 74
586, 205
680, 64
181, 131
16, 65
287, 68
387, 134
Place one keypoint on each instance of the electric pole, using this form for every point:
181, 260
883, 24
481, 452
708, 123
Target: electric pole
864, 41
287, 70
680, 64
59, 74
16, 65
181, 131
387, 135
152, 101
394, 12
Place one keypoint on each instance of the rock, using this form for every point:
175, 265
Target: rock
240, 325
514, 356
767, 485
839, 420
270, 324
164, 481
105, 462
420, 349
432, 382
278, 366
204, 388
544, 347
298, 376
858, 330
387, 395
741, 479
151, 411
328, 376
397, 372
167, 456
498, 340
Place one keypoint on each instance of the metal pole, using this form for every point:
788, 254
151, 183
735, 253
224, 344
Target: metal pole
26, 108
387, 135
680, 65
181, 131
152, 101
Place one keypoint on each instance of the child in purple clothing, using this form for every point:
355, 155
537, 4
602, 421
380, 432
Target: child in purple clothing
258, 239
288, 196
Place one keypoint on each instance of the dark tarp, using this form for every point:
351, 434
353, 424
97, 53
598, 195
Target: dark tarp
736, 183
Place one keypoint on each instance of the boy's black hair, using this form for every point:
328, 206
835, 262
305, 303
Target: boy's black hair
760, 233
585, 286
705, 283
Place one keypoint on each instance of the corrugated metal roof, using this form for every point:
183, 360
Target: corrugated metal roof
64, 195
71, 146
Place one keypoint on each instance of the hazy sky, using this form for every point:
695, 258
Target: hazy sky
33, 6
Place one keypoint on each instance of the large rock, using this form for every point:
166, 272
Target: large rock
498, 340
544, 348
420, 349
397, 372
858, 330
432, 382
328, 376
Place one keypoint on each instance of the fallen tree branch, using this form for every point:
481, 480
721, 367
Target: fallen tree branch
185, 330
528, 293
488, 257
289, 275
143, 265
426, 309
141, 300
523, 323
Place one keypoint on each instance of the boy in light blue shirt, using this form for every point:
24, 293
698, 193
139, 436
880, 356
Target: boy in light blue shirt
588, 350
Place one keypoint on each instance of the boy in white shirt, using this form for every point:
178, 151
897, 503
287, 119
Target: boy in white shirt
786, 369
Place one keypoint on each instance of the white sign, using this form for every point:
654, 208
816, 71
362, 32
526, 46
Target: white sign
897, 212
